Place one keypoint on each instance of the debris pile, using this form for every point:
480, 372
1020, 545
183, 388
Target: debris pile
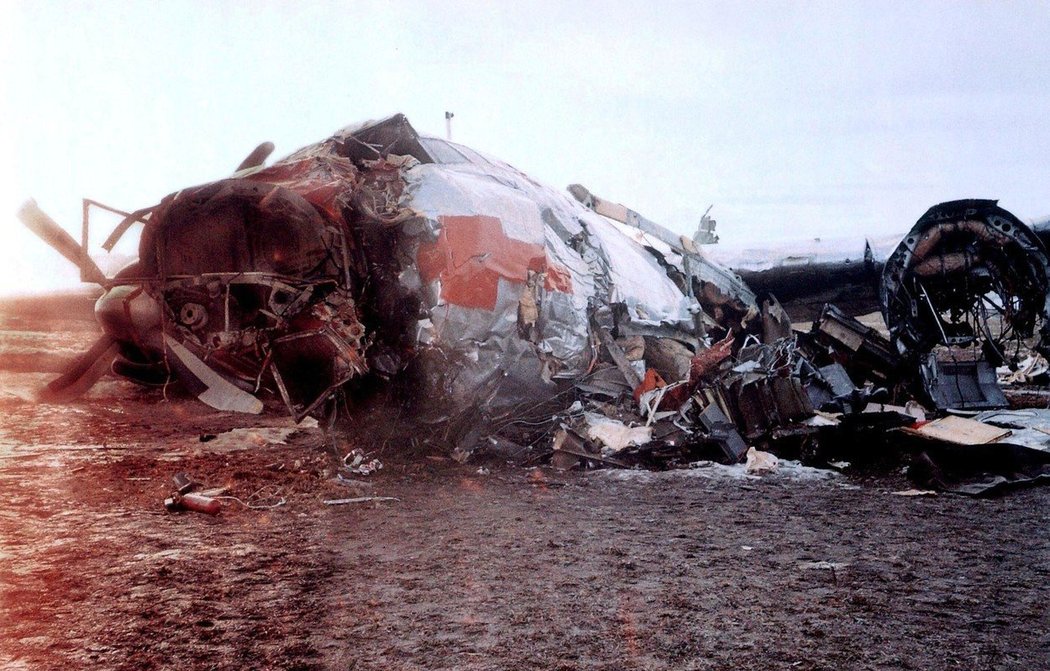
825, 395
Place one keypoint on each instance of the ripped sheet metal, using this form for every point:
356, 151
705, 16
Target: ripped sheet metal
1018, 459
636, 278
669, 248
508, 271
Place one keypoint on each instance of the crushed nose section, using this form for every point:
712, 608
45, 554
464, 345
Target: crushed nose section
234, 225
255, 288
969, 276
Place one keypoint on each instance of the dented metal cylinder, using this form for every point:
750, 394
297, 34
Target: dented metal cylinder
194, 502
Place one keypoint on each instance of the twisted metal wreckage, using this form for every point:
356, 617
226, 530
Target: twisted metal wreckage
383, 256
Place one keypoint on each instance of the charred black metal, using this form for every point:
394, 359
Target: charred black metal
968, 274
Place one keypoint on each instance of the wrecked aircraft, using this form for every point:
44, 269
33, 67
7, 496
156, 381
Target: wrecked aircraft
382, 255
381, 252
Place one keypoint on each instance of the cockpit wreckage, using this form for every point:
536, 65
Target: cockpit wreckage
522, 315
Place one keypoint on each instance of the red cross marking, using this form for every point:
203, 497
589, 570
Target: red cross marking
472, 253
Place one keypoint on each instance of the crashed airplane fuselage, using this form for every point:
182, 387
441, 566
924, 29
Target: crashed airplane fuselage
383, 254
380, 252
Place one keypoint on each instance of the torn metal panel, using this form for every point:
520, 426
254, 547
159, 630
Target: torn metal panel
473, 253
776, 324
681, 250
604, 382
676, 253
723, 432
863, 350
1004, 449
624, 215
369, 140
961, 383
636, 279
1028, 428
209, 386
838, 380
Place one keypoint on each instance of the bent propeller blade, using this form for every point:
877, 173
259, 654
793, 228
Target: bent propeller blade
257, 157
50, 232
81, 373
210, 387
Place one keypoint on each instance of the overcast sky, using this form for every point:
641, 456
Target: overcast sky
794, 119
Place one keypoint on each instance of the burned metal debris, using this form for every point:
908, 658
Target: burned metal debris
784, 398
381, 259
968, 274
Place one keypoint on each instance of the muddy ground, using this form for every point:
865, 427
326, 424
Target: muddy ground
515, 568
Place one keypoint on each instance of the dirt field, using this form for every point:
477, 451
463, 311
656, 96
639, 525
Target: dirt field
511, 569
